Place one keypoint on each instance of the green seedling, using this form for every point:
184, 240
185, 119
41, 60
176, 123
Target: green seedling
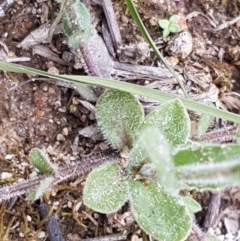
169, 26
77, 23
161, 161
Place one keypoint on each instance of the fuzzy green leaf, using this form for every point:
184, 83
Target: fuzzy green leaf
80, 37
42, 188
210, 153
105, 190
164, 23
40, 161
119, 115
158, 213
166, 32
192, 205
172, 119
83, 15
204, 123
152, 145
67, 25
86, 92
173, 18
174, 28
209, 166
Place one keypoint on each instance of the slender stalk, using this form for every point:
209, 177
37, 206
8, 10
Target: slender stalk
77, 169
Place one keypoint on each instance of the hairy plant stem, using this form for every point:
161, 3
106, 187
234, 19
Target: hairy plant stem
221, 135
77, 169
92, 69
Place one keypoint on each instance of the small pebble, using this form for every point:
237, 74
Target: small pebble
67, 56
62, 109
9, 156
229, 236
21, 234
65, 131
20, 2
56, 203
5, 35
45, 88
29, 218
83, 118
51, 90
24, 164
221, 237
60, 137
69, 203
42, 234
5, 175
218, 231
34, 11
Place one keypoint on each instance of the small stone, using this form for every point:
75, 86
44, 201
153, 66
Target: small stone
134, 237
181, 46
33, 174
20, 2
53, 70
5, 35
62, 109
29, 218
153, 21
75, 101
65, 131
69, 204
56, 203
34, 11
45, 88
41, 234
67, 56
5, 175
51, 90
60, 137
73, 237
50, 149
24, 164
229, 236
221, 237
83, 118
9, 156
218, 231
21, 235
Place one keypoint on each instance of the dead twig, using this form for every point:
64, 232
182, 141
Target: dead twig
224, 25
112, 237
52, 227
213, 210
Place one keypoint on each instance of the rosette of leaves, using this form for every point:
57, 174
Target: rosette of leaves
169, 26
120, 117
158, 150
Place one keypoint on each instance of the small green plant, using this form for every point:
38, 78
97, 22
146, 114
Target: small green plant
76, 22
161, 161
169, 26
